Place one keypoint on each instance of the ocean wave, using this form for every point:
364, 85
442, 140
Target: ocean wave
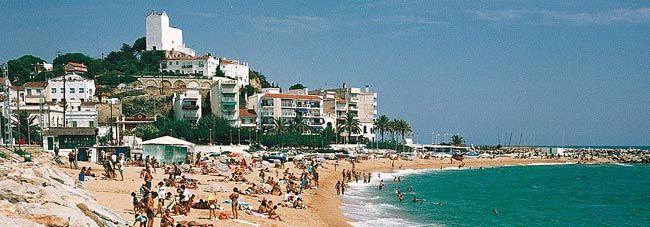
384, 222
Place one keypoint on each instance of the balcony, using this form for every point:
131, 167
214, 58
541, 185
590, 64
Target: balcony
354, 99
190, 107
228, 99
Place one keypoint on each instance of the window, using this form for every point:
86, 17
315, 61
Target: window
53, 90
74, 123
91, 124
82, 100
176, 62
71, 90
29, 91
62, 90
81, 90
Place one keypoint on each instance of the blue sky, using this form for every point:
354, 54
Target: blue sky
545, 69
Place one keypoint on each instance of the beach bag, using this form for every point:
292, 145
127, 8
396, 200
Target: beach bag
223, 216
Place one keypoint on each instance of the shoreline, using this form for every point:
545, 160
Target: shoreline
329, 207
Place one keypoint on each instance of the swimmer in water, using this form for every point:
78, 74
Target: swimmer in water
438, 204
495, 211
381, 185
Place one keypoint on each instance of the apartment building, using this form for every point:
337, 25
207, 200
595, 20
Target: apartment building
361, 102
224, 100
235, 70
180, 63
272, 105
187, 105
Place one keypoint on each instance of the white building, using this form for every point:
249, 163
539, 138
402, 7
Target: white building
224, 100
161, 36
184, 64
235, 69
80, 100
271, 105
187, 105
74, 88
360, 102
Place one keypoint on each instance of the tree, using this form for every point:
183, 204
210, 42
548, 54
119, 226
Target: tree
260, 78
140, 44
95, 66
299, 124
150, 61
279, 125
297, 87
381, 124
26, 127
403, 127
457, 140
146, 131
349, 125
219, 73
21, 68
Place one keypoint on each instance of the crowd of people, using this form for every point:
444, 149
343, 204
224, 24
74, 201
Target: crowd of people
172, 201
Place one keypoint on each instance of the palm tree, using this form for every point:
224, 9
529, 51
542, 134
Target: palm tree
349, 124
457, 140
279, 125
404, 127
381, 124
26, 126
299, 124
393, 128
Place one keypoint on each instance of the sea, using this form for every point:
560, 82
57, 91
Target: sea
532, 195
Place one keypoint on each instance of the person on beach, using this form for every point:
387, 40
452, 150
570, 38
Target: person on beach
338, 188
186, 197
343, 187
150, 208
82, 174
273, 215
234, 202
120, 167
162, 191
166, 220
141, 217
148, 178
71, 157
381, 184
212, 205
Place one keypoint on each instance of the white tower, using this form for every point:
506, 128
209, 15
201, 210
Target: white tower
161, 36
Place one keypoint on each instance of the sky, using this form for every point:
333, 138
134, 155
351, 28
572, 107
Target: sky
547, 72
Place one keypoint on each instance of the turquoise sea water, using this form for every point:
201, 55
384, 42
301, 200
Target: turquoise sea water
540, 195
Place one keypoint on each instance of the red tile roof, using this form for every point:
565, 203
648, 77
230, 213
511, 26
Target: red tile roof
340, 100
247, 113
76, 64
35, 84
292, 96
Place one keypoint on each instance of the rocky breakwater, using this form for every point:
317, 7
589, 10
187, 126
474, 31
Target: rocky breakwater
38, 194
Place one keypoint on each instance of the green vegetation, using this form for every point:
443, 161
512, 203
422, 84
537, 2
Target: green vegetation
349, 125
20, 152
129, 60
457, 140
3, 155
145, 105
260, 79
297, 87
26, 127
20, 70
129, 93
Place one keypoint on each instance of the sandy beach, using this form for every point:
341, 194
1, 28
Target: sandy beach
323, 206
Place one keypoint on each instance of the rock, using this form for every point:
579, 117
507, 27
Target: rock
90, 214
12, 198
6, 208
49, 220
